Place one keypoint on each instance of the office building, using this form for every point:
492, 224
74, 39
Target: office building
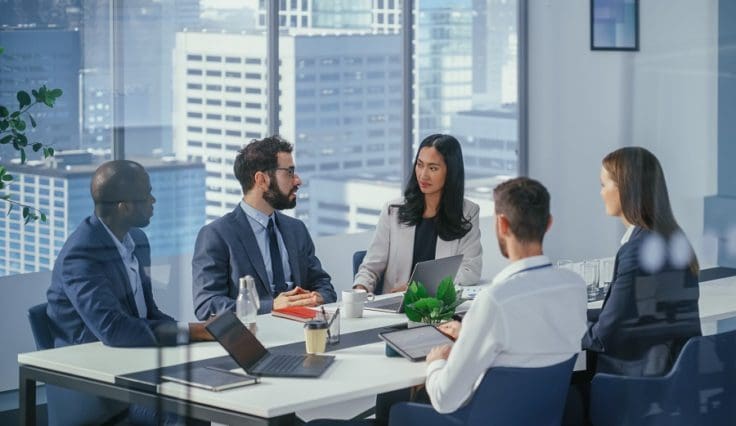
54, 62
342, 110
349, 203
490, 140
60, 187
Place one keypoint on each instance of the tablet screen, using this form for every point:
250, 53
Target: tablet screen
415, 343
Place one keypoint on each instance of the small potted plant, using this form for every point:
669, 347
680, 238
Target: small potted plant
422, 308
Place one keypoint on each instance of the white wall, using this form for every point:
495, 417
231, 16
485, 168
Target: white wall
584, 104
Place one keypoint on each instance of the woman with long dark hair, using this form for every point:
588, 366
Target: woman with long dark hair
651, 307
432, 221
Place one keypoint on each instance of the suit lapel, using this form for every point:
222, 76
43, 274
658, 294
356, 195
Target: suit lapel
445, 248
112, 256
291, 248
247, 239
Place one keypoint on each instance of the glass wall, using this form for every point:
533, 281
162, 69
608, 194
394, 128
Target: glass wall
181, 85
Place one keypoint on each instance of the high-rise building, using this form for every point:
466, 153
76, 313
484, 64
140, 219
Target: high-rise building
340, 104
53, 61
495, 46
148, 31
348, 203
490, 140
60, 187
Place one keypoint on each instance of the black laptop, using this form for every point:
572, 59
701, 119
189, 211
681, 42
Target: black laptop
255, 359
430, 273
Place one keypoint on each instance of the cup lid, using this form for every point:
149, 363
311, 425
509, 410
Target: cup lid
315, 324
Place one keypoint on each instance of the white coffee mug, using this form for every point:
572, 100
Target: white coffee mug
353, 301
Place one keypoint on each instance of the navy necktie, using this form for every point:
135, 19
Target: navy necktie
279, 281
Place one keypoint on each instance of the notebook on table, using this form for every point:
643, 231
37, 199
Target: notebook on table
210, 378
296, 313
255, 359
429, 273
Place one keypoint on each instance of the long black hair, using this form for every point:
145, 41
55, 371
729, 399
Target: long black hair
451, 224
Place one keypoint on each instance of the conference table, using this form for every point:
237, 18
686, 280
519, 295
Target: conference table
358, 371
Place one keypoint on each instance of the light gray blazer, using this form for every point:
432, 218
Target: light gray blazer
391, 250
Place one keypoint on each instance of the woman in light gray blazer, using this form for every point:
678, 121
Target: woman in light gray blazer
432, 221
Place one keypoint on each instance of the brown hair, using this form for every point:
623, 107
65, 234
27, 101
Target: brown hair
525, 203
643, 192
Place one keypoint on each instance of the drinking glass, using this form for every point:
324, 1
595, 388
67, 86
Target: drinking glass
590, 273
606, 273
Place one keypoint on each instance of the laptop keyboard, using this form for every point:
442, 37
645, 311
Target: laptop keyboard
390, 303
282, 363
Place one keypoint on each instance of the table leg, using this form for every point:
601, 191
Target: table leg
27, 396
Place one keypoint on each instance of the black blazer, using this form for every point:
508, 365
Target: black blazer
226, 250
647, 316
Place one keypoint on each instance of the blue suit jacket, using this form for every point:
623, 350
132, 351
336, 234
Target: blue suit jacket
646, 317
226, 250
90, 297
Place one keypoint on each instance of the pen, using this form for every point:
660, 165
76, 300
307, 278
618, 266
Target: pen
324, 315
337, 312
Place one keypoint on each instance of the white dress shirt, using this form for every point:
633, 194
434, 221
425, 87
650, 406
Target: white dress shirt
259, 223
532, 315
627, 235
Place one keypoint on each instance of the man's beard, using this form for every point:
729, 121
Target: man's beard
277, 199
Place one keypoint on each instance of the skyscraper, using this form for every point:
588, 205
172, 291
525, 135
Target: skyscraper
340, 104
61, 188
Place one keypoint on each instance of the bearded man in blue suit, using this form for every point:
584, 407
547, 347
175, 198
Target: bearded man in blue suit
257, 239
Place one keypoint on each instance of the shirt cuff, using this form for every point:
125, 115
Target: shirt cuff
436, 365
182, 335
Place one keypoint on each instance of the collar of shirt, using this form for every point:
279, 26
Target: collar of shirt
521, 265
627, 235
255, 214
126, 247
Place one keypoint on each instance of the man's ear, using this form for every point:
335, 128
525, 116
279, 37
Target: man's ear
261, 179
549, 223
502, 225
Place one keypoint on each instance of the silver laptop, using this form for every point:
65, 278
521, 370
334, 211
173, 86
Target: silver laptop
429, 273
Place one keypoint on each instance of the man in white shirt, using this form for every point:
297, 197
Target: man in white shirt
532, 315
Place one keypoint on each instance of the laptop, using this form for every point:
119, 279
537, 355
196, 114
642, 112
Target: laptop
255, 359
429, 273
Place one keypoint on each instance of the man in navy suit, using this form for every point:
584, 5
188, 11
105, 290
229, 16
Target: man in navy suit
100, 288
257, 239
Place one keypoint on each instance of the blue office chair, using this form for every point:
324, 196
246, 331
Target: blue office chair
64, 406
506, 396
357, 260
699, 389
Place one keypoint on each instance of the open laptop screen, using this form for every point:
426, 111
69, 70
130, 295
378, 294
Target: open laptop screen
237, 340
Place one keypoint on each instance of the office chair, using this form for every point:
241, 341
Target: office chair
357, 260
64, 406
506, 396
699, 389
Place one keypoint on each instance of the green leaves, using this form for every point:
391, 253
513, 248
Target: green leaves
420, 307
13, 126
24, 99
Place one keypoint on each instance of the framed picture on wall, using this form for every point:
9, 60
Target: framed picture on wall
614, 24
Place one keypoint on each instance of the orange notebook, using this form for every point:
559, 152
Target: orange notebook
296, 313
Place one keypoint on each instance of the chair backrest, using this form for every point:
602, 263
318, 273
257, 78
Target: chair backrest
699, 389
522, 396
40, 326
358, 257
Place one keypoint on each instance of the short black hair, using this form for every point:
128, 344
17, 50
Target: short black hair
525, 203
259, 155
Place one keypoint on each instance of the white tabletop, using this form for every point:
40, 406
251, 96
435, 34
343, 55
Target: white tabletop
357, 372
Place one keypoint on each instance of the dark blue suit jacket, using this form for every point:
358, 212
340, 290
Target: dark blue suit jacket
226, 250
646, 317
90, 297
